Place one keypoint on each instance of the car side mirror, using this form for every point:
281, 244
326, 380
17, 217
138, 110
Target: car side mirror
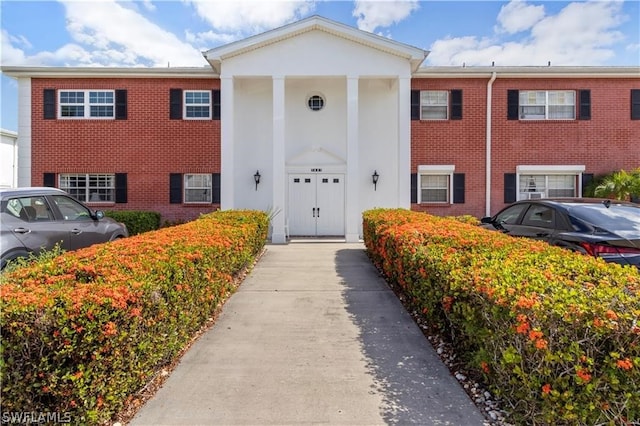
98, 214
486, 219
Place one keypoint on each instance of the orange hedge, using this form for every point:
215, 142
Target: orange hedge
83, 331
554, 334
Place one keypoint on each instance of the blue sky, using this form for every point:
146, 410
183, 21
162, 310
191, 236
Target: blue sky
152, 33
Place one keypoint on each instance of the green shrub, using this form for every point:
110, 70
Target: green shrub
137, 222
84, 331
554, 334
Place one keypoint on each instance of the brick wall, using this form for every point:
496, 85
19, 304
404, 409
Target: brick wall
608, 142
148, 146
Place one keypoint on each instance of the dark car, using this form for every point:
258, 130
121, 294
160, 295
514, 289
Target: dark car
36, 219
602, 228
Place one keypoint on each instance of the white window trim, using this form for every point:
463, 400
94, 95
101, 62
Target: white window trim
86, 104
547, 105
576, 170
185, 105
185, 188
439, 170
447, 102
87, 195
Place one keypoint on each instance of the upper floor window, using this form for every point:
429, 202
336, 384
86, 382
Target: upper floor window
93, 104
89, 187
547, 105
197, 104
436, 104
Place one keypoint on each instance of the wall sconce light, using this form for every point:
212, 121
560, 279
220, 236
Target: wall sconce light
375, 177
256, 178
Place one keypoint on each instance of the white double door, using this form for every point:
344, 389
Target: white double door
316, 204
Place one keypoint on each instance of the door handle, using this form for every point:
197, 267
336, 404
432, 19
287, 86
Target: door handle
76, 231
314, 212
22, 230
318, 211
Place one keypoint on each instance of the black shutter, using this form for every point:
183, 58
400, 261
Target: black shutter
414, 188
415, 105
121, 104
458, 188
456, 105
509, 187
175, 188
215, 183
121, 188
215, 105
513, 104
49, 180
49, 104
635, 104
175, 104
585, 105
586, 180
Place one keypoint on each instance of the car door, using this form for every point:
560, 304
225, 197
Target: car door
509, 218
538, 222
32, 222
77, 220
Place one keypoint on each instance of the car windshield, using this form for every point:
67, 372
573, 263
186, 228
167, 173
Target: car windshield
616, 218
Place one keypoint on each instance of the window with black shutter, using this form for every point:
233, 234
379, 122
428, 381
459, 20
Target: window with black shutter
456, 104
121, 188
215, 104
458, 188
635, 104
49, 104
585, 105
175, 188
49, 180
175, 104
513, 101
509, 187
121, 104
215, 188
414, 188
415, 105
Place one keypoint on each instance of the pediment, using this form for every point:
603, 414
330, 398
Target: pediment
315, 156
409, 53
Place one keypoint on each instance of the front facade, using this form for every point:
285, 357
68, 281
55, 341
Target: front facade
317, 122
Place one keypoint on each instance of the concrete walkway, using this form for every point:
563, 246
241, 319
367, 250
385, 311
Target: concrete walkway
313, 336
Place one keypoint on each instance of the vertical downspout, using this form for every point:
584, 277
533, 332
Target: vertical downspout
487, 207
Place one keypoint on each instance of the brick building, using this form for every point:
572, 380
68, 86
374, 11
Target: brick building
303, 119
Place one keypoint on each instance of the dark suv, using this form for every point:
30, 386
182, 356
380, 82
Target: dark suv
36, 219
603, 228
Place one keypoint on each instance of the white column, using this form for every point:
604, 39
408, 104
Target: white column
352, 205
279, 176
227, 158
404, 142
24, 132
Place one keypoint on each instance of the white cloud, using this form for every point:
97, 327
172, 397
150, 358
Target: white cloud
117, 35
372, 14
10, 55
250, 16
209, 38
518, 16
581, 33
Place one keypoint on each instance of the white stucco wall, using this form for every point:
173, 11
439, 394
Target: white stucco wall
355, 133
253, 129
8, 159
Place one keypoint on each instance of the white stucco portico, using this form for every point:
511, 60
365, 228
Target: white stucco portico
316, 107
